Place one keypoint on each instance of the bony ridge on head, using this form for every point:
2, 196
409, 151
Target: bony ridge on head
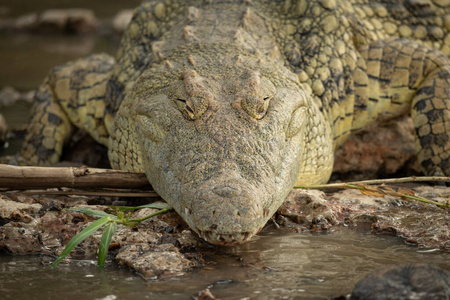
198, 98
252, 98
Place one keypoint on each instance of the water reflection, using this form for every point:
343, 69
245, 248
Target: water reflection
276, 265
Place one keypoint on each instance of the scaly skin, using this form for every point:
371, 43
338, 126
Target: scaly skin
225, 105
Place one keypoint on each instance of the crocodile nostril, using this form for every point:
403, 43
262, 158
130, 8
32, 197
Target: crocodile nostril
227, 191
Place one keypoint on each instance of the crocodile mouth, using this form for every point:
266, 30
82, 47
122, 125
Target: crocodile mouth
227, 239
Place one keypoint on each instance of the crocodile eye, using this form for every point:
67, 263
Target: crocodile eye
297, 122
181, 104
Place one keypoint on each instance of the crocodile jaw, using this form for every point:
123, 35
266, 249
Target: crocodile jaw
231, 239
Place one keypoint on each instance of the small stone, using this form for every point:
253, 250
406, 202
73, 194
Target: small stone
53, 20
68, 20
26, 22
121, 20
413, 281
3, 128
8, 96
81, 21
205, 295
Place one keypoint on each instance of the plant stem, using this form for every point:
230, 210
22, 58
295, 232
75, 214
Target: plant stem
139, 220
375, 181
362, 185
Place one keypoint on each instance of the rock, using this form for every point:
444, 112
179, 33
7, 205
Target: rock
414, 281
53, 20
421, 225
205, 295
309, 209
8, 96
3, 128
16, 211
28, 96
81, 21
26, 22
20, 238
6, 23
4, 11
161, 261
33, 224
382, 148
68, 21
121, 20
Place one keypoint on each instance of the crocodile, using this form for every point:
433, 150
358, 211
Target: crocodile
227, 105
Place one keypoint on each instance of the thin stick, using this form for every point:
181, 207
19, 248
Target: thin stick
105, 193
375, 181
365, 189
24, 178
396, 194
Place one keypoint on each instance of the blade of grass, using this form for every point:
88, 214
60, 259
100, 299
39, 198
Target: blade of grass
90, 229
93, 213
134, 222
151, 205
156, 205
108, 233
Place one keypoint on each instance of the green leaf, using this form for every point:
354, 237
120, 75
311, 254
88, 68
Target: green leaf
151, 205
108, 233
90, 229
156, 205
93, 213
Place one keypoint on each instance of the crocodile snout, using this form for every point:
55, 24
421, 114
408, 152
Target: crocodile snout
227, 212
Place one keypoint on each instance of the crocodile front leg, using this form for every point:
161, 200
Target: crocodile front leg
404, 75
71, 94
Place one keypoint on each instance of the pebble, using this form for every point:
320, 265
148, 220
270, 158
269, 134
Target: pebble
121, 20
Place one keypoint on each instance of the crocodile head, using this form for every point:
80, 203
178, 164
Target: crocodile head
220, 138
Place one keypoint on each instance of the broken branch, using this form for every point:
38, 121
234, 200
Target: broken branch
22, 178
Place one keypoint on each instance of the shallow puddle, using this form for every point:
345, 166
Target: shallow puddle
276, 265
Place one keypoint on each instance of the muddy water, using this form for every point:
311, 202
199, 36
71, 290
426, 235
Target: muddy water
276, 265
